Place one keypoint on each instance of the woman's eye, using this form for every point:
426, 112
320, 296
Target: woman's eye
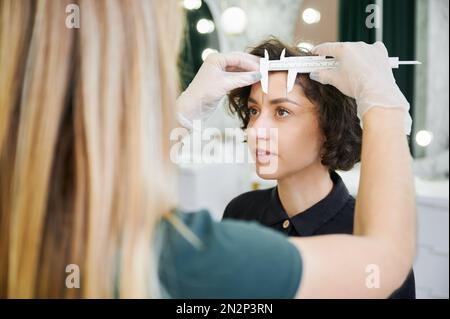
282, 112
252, 111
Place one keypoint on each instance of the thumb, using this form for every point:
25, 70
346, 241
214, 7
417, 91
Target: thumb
323, 76
236, 80
333, 49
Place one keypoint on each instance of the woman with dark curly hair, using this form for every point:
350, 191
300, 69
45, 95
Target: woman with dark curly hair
317, 132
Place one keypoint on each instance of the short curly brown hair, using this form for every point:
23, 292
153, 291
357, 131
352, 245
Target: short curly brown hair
337, 115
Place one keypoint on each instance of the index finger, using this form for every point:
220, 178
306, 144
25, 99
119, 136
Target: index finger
328, 49
239, 61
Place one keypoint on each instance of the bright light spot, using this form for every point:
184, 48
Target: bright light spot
192, 4
424, 138
234, 20
207, 52
311, 16
205, 26
305, 45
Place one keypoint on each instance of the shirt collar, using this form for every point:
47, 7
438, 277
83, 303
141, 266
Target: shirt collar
307, 222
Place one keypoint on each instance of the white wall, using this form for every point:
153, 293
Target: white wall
432, 86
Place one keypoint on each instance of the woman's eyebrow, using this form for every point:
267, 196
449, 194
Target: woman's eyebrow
283, 100
252, 100
275, 101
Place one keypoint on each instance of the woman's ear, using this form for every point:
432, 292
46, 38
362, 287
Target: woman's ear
323, 149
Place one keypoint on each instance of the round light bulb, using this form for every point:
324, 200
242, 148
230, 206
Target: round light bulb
192, 4
205, 26
424, 138
311, 16
234, 20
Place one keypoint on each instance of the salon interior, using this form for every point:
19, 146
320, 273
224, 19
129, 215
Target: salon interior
413, 30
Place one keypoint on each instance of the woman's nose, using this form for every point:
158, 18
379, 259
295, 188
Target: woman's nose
263, 120
261, 127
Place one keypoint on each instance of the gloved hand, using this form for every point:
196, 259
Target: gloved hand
219, 74
365, 74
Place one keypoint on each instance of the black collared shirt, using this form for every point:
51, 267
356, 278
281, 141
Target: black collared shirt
332, 215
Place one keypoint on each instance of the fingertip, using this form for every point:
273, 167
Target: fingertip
320, 48
251, 56
242, 60
328, 49
242, 79
252, 78
256, 76
380, 45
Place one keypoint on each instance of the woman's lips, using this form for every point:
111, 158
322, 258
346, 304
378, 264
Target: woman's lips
263, 152
264, 155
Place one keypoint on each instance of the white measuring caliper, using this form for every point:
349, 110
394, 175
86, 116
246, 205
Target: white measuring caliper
303, 64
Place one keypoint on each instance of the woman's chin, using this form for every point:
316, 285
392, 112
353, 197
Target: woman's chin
265, 171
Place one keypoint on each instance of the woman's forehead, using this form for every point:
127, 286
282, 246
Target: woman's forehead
277, 88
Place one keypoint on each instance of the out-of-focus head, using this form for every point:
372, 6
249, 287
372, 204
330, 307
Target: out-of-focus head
85, 115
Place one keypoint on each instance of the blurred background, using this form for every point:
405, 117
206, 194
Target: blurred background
411, 30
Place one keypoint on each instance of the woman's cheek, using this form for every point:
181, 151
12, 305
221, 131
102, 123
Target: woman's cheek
289, 141
299, 140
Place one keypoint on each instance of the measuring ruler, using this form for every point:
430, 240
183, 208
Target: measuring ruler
305, 64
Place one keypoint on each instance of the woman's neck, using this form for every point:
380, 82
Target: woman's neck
304, 189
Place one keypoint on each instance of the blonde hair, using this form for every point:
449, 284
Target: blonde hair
85, 116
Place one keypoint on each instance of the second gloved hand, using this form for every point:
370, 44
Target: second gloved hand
219, 74
365, 74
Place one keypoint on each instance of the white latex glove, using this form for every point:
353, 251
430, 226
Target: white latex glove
364, 73
219, 74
